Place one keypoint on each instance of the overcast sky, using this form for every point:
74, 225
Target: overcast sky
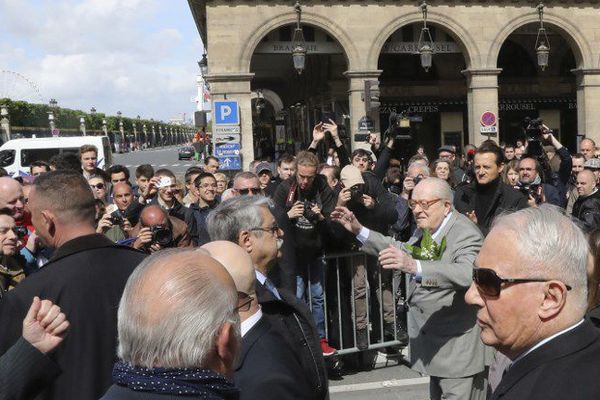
137, 56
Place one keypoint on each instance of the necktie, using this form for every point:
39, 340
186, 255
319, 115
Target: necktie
269, 285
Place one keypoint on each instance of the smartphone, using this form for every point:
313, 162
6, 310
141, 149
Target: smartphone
164, 182
327, 116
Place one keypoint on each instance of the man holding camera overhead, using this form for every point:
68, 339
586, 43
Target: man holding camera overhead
308, 200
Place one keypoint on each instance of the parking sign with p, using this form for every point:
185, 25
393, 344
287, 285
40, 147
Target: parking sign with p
226, 113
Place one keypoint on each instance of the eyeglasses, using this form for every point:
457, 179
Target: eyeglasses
244, 301
244, 192
490, 284
273, 229
425, 204
98, 186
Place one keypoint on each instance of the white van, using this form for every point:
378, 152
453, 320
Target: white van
18, 154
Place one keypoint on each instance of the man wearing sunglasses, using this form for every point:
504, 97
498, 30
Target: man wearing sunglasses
443, 335
529, 283
267, 367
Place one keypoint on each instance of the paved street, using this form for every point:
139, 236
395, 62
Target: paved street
158, 158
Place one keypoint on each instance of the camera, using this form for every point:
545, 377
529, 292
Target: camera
531, 190
356, 193
309, 214
418, 179
21, 231
534, 128
162, 235
399, 126
116, 219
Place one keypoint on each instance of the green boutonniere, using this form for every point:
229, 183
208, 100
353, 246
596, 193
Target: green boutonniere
430, 250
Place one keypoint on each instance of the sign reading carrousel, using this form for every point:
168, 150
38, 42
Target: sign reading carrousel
227, 149
226, 113
489, 124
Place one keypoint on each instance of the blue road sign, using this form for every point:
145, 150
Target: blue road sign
226, 113
227, 149
230, 163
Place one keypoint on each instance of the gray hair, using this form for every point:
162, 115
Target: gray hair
439, 188
423, 169
193, 307
552, 245
235, 215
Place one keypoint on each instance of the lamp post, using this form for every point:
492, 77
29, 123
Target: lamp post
153, 135
145, 131
203, 64
104, 127
121, 130
298, 42
53, 103
542, 44
425, 44
135, 135
4, 123
51, 122
82, 125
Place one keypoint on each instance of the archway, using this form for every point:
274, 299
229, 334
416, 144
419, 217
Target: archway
434, 100
321, 91
525, 90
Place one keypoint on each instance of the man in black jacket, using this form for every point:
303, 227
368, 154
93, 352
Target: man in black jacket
530, 286
85, 277
267, 367
247, 221
488, 196
308, 201
587, 206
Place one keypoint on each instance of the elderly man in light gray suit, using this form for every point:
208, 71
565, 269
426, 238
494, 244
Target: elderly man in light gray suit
443, 334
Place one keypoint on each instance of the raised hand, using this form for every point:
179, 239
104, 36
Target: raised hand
44, 325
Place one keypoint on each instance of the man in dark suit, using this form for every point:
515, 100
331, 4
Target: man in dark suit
247, 221
85, 277
267, 367
530, 285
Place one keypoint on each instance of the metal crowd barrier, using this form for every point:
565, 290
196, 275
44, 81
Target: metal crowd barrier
340, 301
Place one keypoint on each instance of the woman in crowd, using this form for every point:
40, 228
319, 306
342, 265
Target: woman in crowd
510, 176
443, 169
221, 182
99, 189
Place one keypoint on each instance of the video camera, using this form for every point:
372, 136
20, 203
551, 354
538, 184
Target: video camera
534, 129
399, 126
535, 191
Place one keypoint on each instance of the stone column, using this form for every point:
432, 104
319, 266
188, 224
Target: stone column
357, 106
482, 96
236, 87
588, 103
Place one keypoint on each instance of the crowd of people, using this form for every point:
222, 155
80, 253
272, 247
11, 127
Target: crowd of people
483, 261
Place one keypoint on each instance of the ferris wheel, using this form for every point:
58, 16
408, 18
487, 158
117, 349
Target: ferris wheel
15, 86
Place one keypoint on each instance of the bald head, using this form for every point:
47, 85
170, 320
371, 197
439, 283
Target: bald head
123, 195
153, 215
11, 197
175, 308
236, 261
586, 182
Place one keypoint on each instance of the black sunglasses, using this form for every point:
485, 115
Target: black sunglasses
244, 192
490, 284
244, 301
98, 186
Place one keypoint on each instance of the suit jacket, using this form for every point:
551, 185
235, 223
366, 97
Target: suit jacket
25, 371
293, 320
442, 329
567, 367
85, 277
268, 368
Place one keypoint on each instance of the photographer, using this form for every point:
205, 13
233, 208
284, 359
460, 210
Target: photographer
117, 224
319, 134
156, 231
374, 207
308, 200
531, 185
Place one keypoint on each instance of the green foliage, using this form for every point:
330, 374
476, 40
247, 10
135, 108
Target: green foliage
429, 250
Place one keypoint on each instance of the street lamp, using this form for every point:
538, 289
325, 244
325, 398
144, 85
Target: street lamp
104, 127
4, 121
260, 101
542, 44
299, 50
203, 64
53, 103
82, 125
425, 44
51, 121
93, 111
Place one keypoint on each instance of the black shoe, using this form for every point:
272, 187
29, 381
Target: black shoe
390, 332
362, 339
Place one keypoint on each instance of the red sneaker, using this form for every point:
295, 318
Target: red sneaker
327, 350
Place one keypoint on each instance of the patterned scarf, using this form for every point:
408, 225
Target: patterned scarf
203, 383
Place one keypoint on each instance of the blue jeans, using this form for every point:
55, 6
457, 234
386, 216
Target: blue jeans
313, 271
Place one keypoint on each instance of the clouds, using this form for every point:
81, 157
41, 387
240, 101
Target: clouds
137, 56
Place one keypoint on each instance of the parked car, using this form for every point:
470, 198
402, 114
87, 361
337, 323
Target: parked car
186, 153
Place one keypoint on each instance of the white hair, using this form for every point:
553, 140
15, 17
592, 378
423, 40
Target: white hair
551, 246
193, 308
235, 215
439, 188
423, 169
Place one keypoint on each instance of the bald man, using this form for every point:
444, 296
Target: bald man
178, 311
267, 367
169, 231
587, 205
587, 148
11, 197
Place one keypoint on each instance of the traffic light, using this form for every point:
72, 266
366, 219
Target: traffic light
371, 96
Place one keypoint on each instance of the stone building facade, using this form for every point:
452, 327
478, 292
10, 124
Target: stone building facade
485, 61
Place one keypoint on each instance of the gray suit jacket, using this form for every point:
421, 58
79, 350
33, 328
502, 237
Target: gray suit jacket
443, 330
